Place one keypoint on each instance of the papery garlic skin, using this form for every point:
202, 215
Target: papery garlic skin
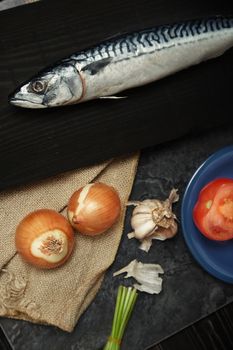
146, 274
153, 219
51, 246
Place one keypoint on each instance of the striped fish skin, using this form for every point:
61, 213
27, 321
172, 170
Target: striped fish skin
125, 62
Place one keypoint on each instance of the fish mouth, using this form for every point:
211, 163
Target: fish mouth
20, 102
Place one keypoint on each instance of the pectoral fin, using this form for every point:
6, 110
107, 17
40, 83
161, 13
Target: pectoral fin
95, 67
112, 97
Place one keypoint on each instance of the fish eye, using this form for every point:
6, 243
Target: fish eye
38, 86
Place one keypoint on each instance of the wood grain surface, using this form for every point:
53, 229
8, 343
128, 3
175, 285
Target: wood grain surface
41, 143
211, 333
6, 4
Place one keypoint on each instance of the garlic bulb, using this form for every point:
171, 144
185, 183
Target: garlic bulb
153, 219
146, 274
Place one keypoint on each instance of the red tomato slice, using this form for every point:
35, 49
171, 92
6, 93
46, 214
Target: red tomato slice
213, 212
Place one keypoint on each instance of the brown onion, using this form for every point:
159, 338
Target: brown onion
94, 208
44, 238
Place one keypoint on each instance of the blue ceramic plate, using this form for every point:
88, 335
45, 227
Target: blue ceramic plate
215, 257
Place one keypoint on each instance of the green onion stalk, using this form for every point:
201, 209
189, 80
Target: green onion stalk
126, 298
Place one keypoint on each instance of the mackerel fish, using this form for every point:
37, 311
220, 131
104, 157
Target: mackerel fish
127, 61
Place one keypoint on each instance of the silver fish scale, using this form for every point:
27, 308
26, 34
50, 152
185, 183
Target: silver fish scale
128, 61
153, 39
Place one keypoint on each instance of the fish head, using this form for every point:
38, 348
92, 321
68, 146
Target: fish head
52, 87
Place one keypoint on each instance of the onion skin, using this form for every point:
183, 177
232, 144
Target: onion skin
33, 226
95, 213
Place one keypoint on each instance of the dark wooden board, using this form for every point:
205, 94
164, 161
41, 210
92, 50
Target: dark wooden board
39, 143
211, 333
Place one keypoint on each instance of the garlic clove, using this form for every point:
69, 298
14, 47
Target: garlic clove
138, 220
160, 234
145, 229
142, 209
165, 233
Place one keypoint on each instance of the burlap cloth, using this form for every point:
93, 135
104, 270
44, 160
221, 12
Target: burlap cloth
58, 297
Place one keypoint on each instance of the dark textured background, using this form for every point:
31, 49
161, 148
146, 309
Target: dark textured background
189, 293
39, 143
183, 104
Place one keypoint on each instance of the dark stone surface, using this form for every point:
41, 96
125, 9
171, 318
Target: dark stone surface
189, 293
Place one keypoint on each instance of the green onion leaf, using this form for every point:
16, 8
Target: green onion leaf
126, 298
